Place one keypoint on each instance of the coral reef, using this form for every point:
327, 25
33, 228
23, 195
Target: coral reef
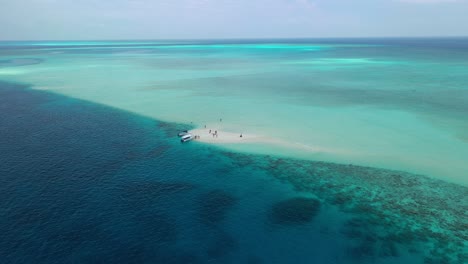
295, 211
392, 210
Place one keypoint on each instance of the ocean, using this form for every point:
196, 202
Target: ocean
370, 167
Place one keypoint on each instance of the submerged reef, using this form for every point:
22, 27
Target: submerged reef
295, 211
214, 205
391, 211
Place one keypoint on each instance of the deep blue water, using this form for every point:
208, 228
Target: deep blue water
85, 183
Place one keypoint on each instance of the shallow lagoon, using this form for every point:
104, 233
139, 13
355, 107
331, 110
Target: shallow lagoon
395, 104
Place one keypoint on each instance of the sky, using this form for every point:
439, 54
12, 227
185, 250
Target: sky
219, 19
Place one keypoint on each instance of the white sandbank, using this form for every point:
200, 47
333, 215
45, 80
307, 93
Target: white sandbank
207, 135
222, 137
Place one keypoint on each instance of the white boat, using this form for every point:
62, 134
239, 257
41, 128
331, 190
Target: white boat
186, 138
183, 133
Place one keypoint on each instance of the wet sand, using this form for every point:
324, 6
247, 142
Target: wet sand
225, 137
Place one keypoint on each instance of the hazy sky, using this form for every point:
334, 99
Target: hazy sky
189, 19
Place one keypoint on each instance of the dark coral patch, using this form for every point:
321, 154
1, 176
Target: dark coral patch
295, 211
214, 206
158, 151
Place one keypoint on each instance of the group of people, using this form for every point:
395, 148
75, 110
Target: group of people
215, 133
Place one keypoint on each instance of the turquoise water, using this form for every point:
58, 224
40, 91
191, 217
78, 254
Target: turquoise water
389, 103
91, 170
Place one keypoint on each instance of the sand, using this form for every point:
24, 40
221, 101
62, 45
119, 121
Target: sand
224, 137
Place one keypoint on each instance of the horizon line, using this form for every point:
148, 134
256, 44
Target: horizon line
242, 38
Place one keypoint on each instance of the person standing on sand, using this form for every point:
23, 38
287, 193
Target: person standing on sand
210, 131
